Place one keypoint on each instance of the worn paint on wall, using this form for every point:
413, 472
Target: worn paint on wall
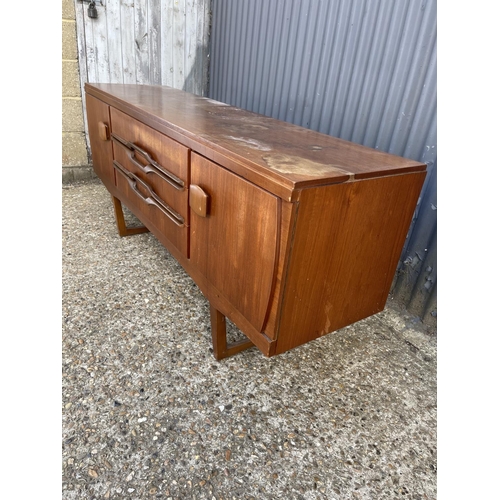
363, 70
156, 42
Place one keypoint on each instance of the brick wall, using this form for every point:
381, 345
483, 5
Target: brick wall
75, 157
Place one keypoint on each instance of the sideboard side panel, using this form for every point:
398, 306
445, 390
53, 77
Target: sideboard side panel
347, 243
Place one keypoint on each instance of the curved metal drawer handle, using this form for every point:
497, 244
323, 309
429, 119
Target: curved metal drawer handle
153, 198
152, 166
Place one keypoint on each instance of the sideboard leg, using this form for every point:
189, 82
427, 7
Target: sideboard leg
219, 340
123, 230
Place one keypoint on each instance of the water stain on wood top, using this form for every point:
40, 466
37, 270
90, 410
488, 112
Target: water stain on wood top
251, 143
284, 155
297, 165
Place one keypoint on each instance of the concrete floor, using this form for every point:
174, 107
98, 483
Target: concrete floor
149, 413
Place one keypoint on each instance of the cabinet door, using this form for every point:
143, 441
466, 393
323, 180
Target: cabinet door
235, 244
100, 140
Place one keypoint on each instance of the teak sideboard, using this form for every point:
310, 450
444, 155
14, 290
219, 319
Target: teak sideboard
289, 233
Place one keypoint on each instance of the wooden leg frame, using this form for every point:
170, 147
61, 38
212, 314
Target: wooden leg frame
219, 340
123, 230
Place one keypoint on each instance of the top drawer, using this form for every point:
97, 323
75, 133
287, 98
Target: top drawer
171, 157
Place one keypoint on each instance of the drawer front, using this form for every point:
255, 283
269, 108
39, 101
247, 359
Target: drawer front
152, 172
168, 191
167, 224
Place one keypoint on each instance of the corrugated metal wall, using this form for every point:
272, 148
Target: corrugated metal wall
362, 70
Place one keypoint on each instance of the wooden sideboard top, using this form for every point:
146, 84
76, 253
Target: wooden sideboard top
278, 156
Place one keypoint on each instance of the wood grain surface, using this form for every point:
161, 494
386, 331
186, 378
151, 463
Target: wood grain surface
289, 233
347, 243
235, 245
267, 151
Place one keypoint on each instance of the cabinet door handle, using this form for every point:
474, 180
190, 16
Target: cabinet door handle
198, 200
172, 179
103, 131
153, 198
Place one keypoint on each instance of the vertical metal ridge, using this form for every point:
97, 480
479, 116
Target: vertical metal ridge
214, 53
232, 55
399, 73
266, 82
414, 81
369, 86
361, 59
256, 48
239, 27
259, 48
336, 68
325, 69
346, 69
317, 81
280, 57
297, 62
376, 75
185, 40
311, 33
261, 80
238, 81
223, 50
424, 115
388, 72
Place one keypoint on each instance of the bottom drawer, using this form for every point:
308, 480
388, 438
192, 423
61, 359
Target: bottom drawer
142, 200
